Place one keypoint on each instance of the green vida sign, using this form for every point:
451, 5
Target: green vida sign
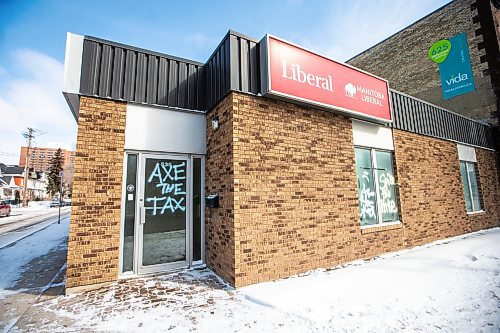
453, 59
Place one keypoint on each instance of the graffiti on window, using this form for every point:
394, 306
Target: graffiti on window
170, 180
366, 197
387, 195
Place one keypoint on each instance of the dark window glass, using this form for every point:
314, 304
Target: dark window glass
197, 209
471, 186
129, 227
366, 187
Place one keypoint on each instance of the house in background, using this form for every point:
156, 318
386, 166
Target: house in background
12, 180
7, 188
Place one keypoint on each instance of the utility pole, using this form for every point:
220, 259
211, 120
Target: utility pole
28, 135
60, 196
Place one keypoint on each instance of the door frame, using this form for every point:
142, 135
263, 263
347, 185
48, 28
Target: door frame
137, 256
140, 215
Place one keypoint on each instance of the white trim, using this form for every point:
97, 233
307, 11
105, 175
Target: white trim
476, 212
371, 135
378, 225
466, 153
156, 129
73, 63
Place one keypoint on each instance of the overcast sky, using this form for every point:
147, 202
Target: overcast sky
33, 33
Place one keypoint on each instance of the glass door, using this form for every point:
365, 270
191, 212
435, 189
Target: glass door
164, 209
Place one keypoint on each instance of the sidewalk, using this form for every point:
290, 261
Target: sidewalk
447, 286
29, 267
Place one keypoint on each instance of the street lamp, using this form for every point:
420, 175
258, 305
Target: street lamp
60, 196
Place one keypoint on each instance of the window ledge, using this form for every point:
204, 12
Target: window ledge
477, 212
367, 229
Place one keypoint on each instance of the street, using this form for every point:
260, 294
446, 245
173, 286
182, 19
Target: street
25, 221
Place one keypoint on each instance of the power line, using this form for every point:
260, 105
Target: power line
7, 154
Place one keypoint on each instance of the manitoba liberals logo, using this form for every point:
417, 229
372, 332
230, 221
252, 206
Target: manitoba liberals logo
365, 94
350, 90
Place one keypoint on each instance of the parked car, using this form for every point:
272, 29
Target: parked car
66, 202
55, 203
4, 208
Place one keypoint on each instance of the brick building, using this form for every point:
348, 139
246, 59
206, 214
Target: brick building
402, 58
39, 158
266, 161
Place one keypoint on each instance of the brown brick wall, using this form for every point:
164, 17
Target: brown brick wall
402, 60
489, 180
295, 206
219, 178
93, 245
431, 193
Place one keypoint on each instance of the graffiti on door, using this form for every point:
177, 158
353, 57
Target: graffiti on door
170, 181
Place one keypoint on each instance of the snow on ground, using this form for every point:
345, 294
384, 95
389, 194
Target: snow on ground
14, 258
451, 285
448, 286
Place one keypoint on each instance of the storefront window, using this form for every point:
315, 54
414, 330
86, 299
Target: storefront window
473, 202
376, 186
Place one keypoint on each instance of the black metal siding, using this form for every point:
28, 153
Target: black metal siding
120, 72
234, 65
414, 115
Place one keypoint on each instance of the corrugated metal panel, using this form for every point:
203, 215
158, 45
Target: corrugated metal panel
118, 74
234, 65
121, 72
414, 115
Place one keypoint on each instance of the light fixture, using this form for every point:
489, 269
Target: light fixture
215, 122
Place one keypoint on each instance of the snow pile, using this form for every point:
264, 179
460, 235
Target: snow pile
451, 285
447, 285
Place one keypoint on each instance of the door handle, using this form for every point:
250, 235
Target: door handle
143, 214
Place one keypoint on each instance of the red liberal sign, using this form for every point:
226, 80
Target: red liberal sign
299, 74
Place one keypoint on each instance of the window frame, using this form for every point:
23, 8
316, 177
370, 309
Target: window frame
374, 167
469, 186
